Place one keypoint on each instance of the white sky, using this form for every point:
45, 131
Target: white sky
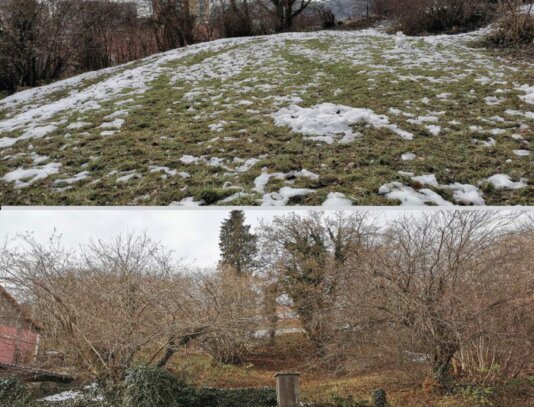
191, 234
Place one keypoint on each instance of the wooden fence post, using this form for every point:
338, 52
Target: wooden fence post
287, 389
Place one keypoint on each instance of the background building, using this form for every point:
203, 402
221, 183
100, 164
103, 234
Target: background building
19, 334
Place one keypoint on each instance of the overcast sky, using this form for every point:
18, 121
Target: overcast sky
192, 234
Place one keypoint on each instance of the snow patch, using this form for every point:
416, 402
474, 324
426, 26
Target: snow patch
77, 178
115, 124
325, 121
25, 177
282, 197
408, 157
189, 201
335, 199
261, 181
166, 170
502, 181
529, 93
408, 196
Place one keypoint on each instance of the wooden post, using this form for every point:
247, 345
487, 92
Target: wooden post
379, 398
287, 389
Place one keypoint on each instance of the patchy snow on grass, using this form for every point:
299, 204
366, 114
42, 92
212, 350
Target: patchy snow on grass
189, 159
233, 197
189, 201
466, 194
427, 179
127, 177
424, 119
166, 170
408, 196
433, 129
527, 115
282, 197
38, 159
408, 157
63, 396
117, 114
239, 88
31, 133
88, 393
217, 127
77, 178
247, 165
325, 121
78, 125
529, 93
335, 199
24, 177
115, 124
261, 181
502, 181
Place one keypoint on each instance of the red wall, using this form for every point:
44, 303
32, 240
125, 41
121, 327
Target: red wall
25, 340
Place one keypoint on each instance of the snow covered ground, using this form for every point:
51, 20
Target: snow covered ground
321, 118
89, 393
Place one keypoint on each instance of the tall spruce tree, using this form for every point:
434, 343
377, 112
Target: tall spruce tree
237, 243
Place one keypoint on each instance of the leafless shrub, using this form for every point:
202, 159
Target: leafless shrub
118, 303
431, 16
230, 302
172, 22
515, 26
447, 279
33, 42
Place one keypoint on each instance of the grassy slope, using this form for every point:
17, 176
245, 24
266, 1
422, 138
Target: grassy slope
342, 68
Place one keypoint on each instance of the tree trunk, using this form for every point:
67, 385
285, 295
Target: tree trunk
172, 347
280, 16
287, 22
442, 365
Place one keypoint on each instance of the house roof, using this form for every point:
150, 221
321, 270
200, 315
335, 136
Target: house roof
27, 317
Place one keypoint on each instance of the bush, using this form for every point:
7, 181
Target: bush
480, 394
153, 387
149, 386
415, 17
13, 393
513, 30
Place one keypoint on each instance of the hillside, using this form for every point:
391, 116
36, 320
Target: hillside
301, 118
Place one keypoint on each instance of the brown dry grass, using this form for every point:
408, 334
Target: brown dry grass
404, 384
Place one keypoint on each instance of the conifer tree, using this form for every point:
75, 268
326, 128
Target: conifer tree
237, 244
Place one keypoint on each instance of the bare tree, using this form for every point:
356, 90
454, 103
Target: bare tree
285, 11
438, 276
33, 42
172, 22
230, 302
115, 304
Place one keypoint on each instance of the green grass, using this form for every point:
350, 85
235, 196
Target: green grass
161, 128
